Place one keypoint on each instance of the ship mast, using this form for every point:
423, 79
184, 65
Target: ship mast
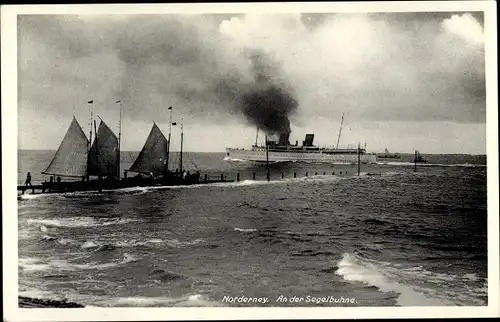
96, 150
90, 141
168, 142
340, 130
119, 141
257, 137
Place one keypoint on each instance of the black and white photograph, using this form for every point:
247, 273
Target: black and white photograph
316, 160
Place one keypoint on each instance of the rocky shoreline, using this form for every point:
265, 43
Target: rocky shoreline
28, 302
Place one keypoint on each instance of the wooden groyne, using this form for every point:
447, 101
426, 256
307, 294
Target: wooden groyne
69, 186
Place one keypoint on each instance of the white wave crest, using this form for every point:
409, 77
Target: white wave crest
243, 230
80, 222
142, 301
398, 163
31, 264
415, 285
234, 159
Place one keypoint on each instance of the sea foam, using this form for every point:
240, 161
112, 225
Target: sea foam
415, 286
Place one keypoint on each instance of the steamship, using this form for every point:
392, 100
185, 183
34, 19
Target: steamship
283, 151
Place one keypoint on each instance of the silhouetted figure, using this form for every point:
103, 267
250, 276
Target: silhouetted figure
28, 180
58, 179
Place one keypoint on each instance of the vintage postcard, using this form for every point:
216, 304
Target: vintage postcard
244, 161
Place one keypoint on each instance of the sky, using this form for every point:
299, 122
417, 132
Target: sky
404, 81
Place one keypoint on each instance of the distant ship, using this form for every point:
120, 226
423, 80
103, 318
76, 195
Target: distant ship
388, 155
283, 151
418, 158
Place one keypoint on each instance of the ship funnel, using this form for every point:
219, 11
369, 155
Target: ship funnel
284, 139
309, 140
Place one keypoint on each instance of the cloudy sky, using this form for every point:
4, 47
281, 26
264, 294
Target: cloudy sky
403, 80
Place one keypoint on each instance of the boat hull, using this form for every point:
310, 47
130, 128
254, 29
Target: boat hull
287, 156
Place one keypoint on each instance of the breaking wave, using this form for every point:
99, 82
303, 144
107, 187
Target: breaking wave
414, 286
79, 222
431, 164
142, 301
31, 264
243, 230
234, 159
155, 242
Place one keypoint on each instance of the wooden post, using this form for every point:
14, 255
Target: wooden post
267, 160
306, 174
238, 177
282, 175
206, 177
359, 159
415, 162
222, 177
295, 174
253, 176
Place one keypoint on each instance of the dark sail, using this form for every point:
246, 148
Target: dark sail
153, 154
70, 159
103, 153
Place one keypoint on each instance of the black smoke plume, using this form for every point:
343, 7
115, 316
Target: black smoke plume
268, 102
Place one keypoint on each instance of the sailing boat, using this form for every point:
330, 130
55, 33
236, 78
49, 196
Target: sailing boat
103, 158
71, 157
97, 165
153, 157
74, 159
388, 155
419, 158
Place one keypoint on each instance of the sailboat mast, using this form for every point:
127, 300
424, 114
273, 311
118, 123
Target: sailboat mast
90, 141
119, 142
96, 147
257, 137
340, 130
182, 139
168, 142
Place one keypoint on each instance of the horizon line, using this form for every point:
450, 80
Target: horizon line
411, 153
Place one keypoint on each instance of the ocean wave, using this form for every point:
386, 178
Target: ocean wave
415, 286
102, 245
243, 230
80, 222
28, 196
234, 159
31, 264
431, 164
142, 301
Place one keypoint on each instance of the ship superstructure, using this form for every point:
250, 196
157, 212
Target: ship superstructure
283, 151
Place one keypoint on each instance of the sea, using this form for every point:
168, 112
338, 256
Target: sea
314, 235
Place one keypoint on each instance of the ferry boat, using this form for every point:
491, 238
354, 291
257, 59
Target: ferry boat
283, 151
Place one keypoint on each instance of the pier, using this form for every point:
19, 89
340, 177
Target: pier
71, 186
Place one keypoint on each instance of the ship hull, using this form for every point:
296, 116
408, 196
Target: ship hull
287, 156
